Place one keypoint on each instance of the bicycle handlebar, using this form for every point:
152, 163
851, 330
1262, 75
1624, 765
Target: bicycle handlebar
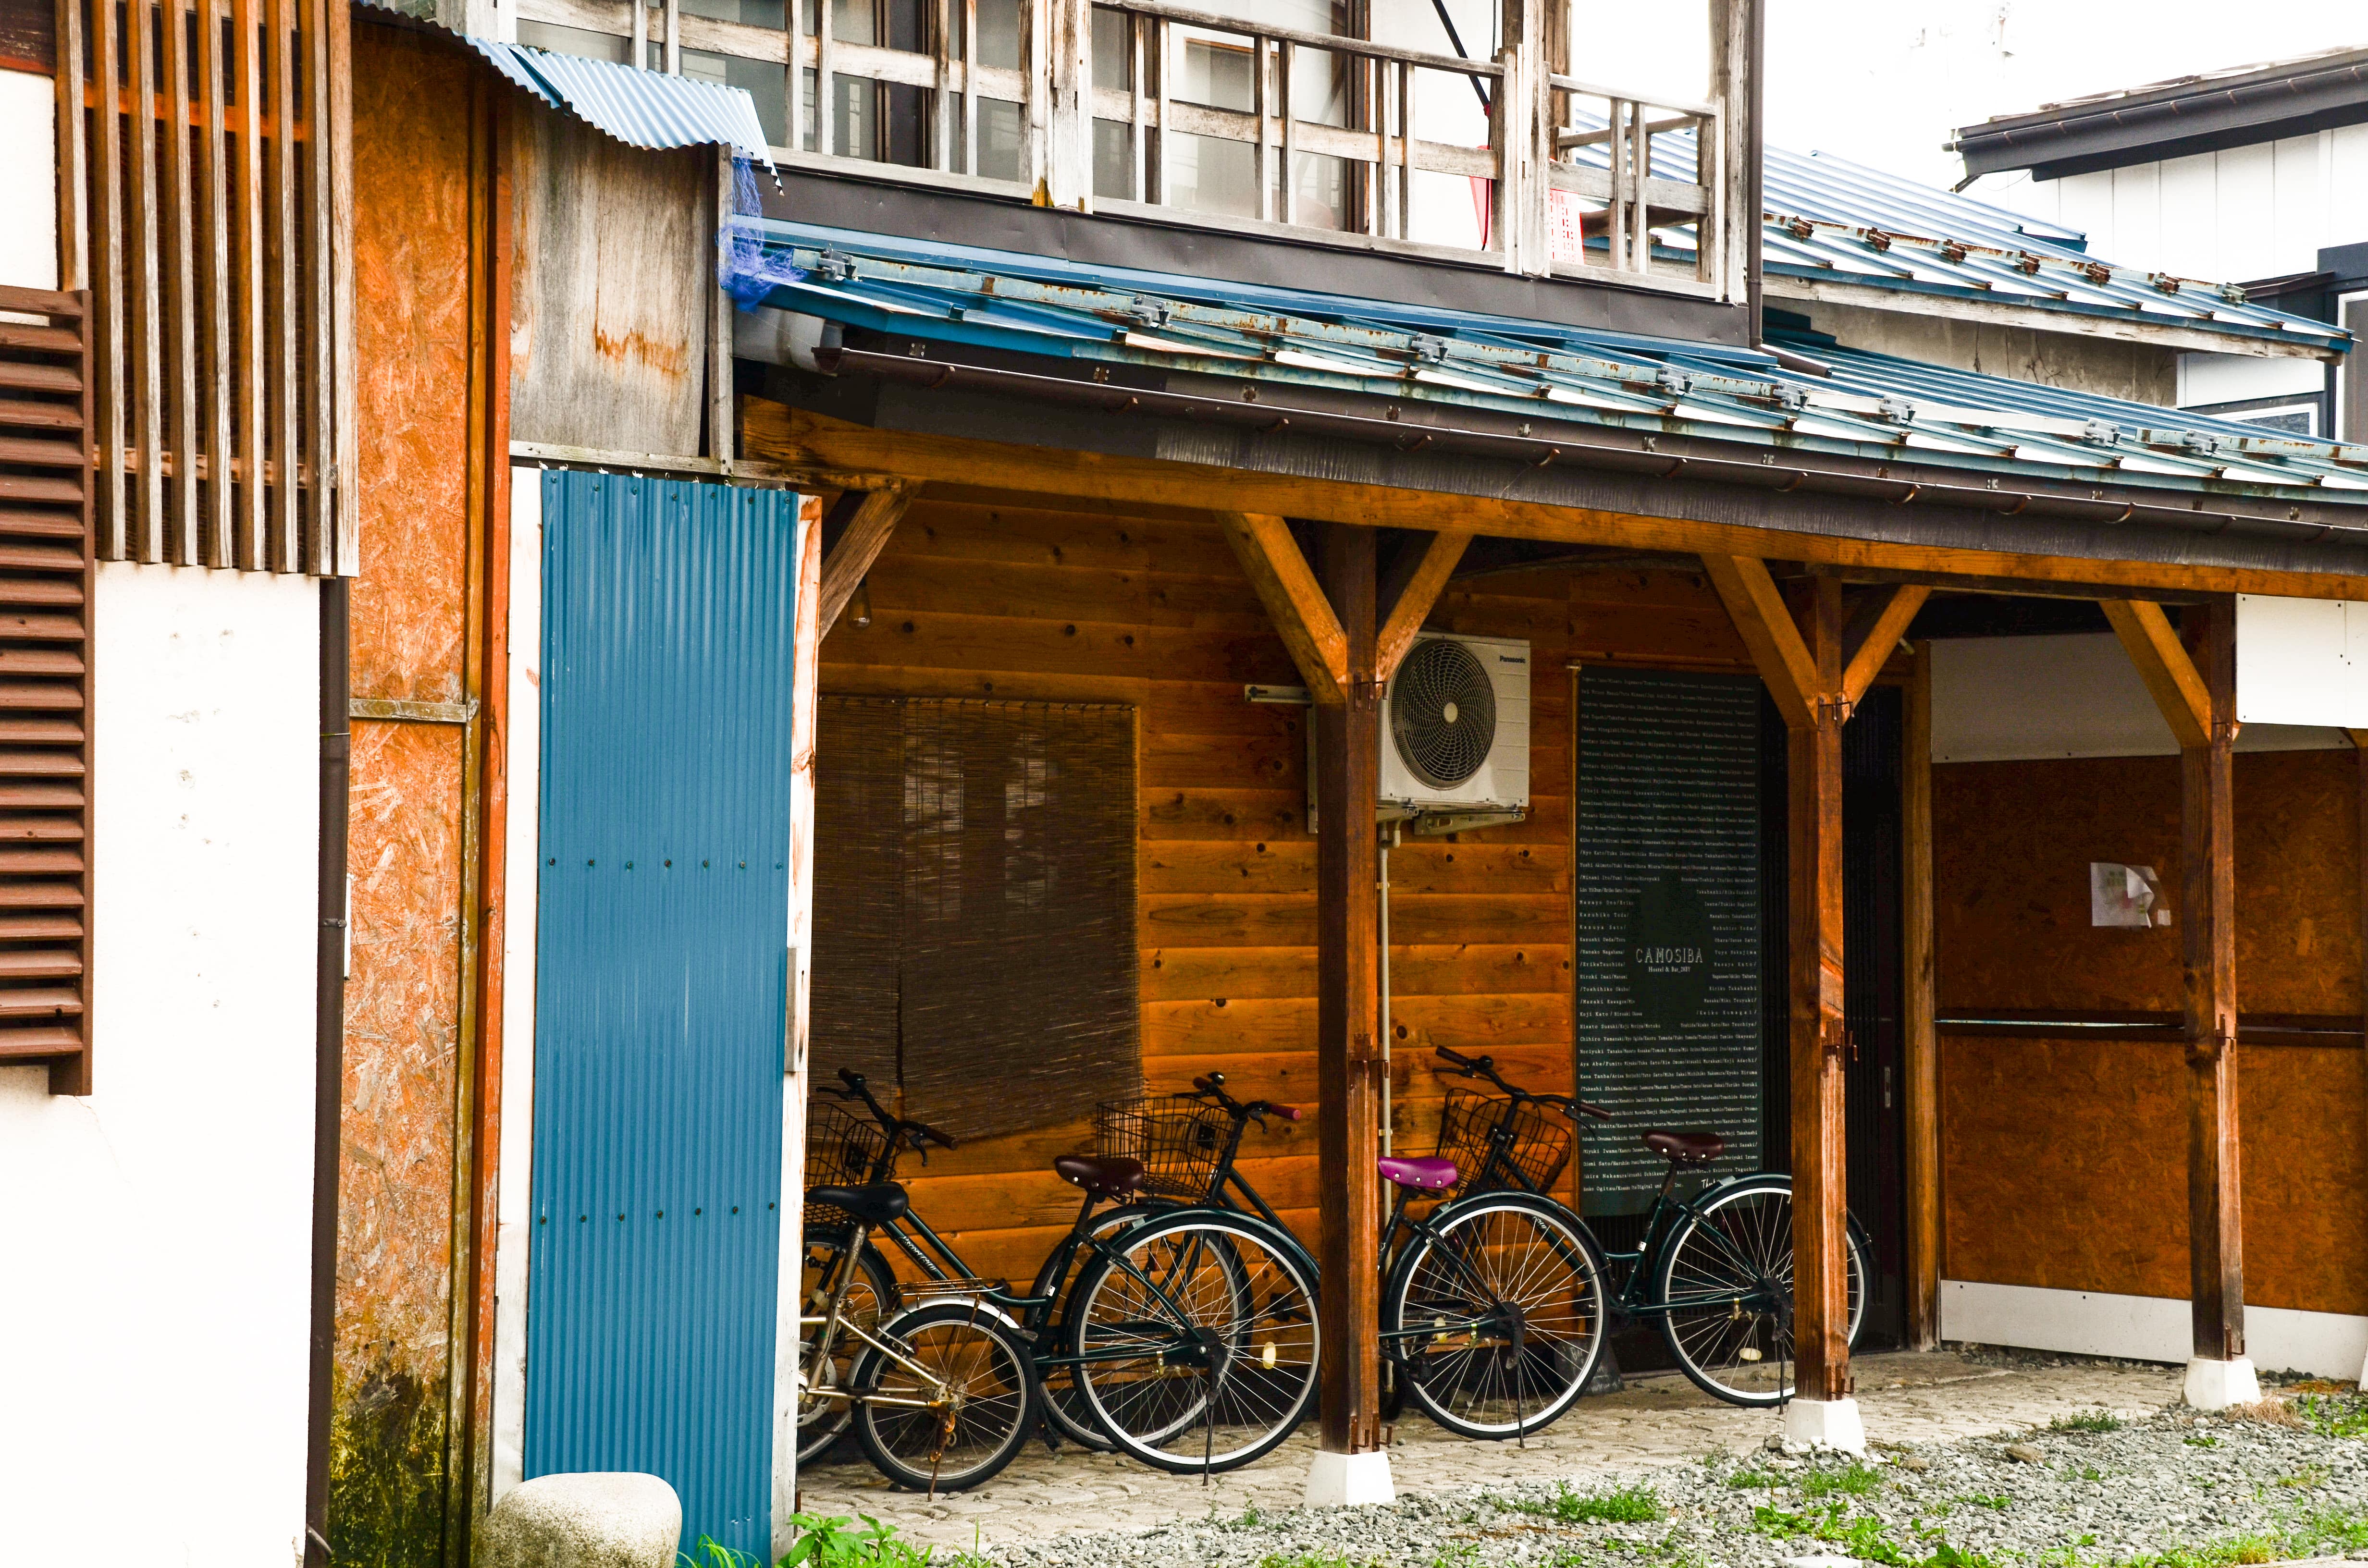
917, 1133
1212, 1087
1485, 1067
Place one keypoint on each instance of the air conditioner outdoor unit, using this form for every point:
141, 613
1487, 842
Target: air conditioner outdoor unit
1455, 736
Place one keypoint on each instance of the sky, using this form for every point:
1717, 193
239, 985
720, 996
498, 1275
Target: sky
1885, 81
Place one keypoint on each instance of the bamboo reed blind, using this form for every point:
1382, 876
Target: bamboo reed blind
975, 907
45, 584
203, 206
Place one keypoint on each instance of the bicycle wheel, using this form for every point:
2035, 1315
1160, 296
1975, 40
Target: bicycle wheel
952, 1405
1198, 1340
1512, 1292
869, 1298
1064, 1407
1735, 1259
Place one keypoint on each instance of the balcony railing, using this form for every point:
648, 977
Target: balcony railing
1155, 109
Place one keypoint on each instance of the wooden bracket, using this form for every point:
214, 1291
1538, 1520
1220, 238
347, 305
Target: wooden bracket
1863, 660
1405, 610
1777, 647
2169, 674
867, 517
1294, 601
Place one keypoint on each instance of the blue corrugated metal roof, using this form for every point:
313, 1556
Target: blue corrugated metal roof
1871, 405
1830, 220
641, 108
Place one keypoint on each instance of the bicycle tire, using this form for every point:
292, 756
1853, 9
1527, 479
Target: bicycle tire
1742, 1355
1198, 1339
1528, 1265
821, 1421
977, 1406
1065, 1408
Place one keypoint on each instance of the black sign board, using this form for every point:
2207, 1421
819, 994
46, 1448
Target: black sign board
1669, 924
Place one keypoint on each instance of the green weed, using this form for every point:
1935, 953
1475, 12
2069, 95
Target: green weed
1864, 1538
2088, 1421
712, 1554
1998, 1500
2200, 1442
1753, 1480
1313, 1559
1638, 1504
1856, 1481
2333, 1415
831, 1541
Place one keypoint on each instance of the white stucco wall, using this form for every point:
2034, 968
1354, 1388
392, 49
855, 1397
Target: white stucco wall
155, 1237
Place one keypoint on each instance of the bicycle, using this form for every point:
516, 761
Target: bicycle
940, 1395
1714, 1268
1492, 1306
1174, 1312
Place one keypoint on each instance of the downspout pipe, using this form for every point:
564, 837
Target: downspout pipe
331, 948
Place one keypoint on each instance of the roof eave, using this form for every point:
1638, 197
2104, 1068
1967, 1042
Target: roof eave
1963, 305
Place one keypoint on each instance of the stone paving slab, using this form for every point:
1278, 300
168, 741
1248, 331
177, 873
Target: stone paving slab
1659, 1419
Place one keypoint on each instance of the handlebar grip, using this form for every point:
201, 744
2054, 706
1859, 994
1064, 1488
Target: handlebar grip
1288, 1112
1209, 1085
851, 1078
932, 1133
1587, 1107
1456, 1057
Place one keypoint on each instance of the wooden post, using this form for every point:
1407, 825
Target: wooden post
1923, 1076
1820, 1176
1348, 1044
2194, 682
2208, 864
1815, 681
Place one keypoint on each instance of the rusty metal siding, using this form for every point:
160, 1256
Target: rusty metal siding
669, 636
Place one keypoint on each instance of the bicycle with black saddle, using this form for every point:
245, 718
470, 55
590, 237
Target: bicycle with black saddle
1492, 1304
1234, 1300
1714, 1267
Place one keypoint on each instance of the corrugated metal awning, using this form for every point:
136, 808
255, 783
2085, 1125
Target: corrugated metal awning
641, 108
1852, 403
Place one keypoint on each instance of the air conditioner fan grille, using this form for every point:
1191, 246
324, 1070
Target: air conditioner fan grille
1443, 713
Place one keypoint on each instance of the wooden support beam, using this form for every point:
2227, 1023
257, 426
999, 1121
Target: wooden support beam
797, 446
1777, 647
1864, 659
1409, 599
1348, 1045
1294, 602
2169, 674
2207, 866
1920, 1108
870, 517
1820, 1176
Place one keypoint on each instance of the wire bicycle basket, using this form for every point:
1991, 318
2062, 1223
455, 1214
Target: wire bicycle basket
1534, 1143
841, 1151
1177, 1138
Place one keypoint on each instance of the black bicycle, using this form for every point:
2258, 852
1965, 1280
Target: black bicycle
1259, 1300
1492, 1305
1714, 1268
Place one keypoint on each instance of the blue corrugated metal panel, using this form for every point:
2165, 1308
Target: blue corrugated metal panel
641, 108
660, 988
1873, 406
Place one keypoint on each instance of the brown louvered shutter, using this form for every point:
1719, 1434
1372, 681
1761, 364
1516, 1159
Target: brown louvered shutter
46, 579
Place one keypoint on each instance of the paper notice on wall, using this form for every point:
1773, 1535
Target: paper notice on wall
1567, 223
2125, 896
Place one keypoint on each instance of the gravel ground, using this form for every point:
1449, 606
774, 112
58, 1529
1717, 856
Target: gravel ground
2176, 1490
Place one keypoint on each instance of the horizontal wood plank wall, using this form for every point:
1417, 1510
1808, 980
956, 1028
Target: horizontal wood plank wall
974, 599
2090, 1132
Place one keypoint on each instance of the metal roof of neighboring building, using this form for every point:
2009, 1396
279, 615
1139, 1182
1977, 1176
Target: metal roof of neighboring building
641, 108
1866, 405
1832, 225
2233, 107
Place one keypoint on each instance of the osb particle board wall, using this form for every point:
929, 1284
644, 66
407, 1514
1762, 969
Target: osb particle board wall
412, 153
2064, 1160
974, 599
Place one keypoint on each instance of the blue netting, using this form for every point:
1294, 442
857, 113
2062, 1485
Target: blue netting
746, 270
